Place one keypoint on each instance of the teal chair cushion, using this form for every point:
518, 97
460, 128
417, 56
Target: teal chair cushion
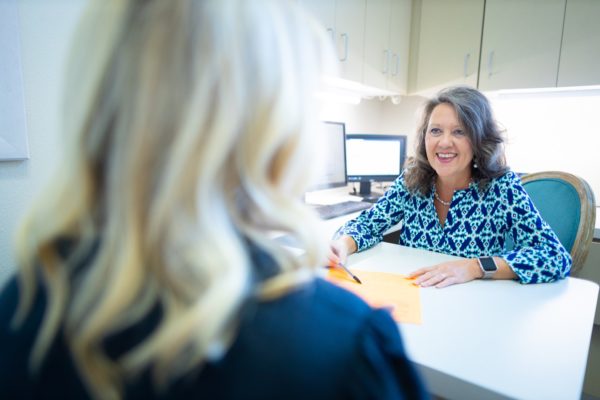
559, 204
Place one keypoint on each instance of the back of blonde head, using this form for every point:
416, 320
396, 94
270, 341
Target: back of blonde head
188, 129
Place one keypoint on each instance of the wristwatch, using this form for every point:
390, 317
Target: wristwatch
488, 266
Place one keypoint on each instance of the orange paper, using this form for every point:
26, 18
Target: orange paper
383, 290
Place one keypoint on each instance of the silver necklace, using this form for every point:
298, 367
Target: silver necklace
438, 198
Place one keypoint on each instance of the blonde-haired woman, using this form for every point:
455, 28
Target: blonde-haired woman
148, 269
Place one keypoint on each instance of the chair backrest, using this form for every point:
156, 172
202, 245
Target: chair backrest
567, 204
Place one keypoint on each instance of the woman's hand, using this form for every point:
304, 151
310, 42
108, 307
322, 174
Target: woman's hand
448, 273
340, 249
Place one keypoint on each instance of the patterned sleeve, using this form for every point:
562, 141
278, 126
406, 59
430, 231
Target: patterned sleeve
368, 228
538, 255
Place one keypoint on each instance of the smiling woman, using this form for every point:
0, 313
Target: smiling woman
458, 197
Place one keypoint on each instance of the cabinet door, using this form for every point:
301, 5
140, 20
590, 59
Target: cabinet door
350, 34
580, 51
399, 42
323, 10
521, 43
449, 38
378, 55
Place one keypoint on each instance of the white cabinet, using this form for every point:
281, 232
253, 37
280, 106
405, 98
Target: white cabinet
447, 39
580, 51
350, 36
323, 10
387, 30
345, 22
521, 43
377, 52
399, 42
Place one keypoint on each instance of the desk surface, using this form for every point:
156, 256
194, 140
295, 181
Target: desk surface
494, 339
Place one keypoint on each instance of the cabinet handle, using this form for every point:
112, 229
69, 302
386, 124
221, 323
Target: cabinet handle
396, 57
331, 33
490, 63
386, 62
345, 37
466, 65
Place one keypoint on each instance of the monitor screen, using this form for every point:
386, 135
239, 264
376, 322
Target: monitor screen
374, 158
332, 168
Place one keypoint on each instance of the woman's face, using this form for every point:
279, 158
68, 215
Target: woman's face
448, 147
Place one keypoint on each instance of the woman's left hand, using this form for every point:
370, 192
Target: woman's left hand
448, 273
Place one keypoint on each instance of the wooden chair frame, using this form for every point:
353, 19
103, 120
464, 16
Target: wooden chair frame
585, 232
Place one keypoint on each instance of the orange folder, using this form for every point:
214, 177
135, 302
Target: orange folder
383, 290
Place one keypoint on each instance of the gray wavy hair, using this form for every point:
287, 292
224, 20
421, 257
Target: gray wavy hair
475, 114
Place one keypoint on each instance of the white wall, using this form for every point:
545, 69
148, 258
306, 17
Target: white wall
403, 119
364, 117
552, 131
377, 116
46, 27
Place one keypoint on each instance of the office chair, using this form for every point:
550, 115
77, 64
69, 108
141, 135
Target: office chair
567, 204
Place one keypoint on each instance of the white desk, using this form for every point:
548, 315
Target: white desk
494, 339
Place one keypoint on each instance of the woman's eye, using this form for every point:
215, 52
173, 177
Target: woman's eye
435, 131
459, 132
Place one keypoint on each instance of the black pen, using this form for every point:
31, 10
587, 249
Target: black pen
349, 272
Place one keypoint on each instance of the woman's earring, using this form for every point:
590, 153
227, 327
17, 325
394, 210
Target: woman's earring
474, 164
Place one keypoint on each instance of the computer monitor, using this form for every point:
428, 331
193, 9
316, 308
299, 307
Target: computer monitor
374, 158
331, 143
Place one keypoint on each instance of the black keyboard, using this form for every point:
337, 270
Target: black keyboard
328, 211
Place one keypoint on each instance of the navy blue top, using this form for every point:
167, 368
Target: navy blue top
479, 223
317, 342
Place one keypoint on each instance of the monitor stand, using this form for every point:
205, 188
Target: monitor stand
366, 194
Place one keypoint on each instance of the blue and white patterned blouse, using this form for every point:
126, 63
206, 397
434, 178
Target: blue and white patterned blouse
477, 224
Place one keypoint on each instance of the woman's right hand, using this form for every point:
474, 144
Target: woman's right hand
340, 249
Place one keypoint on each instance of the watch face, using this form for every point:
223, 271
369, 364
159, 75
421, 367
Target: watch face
488, 264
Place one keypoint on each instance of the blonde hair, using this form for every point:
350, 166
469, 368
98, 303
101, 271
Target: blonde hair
188, 128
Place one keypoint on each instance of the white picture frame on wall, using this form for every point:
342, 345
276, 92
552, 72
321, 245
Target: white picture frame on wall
13, 122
